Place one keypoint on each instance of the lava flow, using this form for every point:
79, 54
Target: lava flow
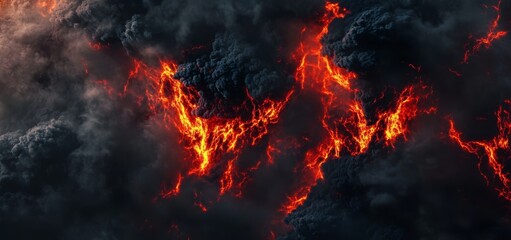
492, 35
217, 142
210, 142
495, 151
346, 126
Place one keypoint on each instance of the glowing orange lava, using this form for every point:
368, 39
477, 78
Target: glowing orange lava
492, 35
217, 142
208, 141
495, 151
175, 190
346, 126
396, 121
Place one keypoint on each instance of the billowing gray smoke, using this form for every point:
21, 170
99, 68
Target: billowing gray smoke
79, 163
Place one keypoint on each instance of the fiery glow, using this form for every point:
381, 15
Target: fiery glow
347, 129
270, 151
318, 73
201, 206
495, 151
227, 181
198, 203
106, 86
216, 143
175, 190
390, 126
456, 73
492, 35
406, 109
46, 7
97, 46
208, 141
313, 65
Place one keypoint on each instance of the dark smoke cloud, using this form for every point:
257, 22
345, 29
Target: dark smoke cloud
76, 163
139, 24
232, 66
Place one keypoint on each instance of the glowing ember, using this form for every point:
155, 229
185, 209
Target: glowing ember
495, 151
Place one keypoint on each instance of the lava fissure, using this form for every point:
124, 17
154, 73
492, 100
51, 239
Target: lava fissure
495, 151
347, 129
487, 40
208, 141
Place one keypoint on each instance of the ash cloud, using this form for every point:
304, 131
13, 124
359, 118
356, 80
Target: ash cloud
76, 163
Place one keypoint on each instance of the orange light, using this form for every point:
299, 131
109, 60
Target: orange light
495, 151
344, 121
46, 7
175, 190
206, 140
407, 108
492, 35
316, 72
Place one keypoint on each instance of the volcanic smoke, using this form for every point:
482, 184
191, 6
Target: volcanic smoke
254, 119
